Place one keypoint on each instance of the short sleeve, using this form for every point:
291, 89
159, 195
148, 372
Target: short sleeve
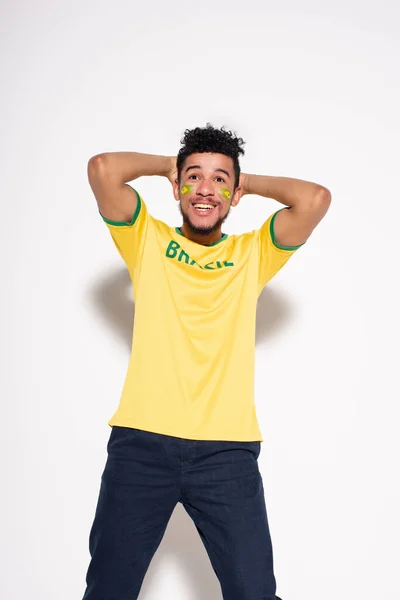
130, 238
272, 256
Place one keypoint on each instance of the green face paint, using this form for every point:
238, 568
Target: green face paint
225, 193
186, 189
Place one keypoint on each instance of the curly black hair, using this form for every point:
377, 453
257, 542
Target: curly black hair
211, 139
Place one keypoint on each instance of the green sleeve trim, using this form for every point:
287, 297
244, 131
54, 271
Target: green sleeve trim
271, 230
135, 215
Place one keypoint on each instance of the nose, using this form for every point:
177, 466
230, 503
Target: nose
205, 188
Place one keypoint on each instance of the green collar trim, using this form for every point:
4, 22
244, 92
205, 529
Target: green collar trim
225, 235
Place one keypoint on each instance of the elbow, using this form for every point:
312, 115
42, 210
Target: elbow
322, 201
96, 165
323, 196
97, 160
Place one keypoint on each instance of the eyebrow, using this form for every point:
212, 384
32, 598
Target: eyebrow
215, 170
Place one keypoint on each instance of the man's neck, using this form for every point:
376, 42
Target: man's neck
205, 240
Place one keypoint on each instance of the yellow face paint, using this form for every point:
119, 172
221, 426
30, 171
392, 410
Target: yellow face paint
225, 193
186, 189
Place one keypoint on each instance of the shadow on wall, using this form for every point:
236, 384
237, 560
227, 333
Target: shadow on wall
181, 545
113, 300
274, 313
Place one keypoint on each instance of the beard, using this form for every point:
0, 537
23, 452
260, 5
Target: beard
202, 230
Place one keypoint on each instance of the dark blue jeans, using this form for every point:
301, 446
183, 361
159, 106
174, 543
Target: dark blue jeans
220, 486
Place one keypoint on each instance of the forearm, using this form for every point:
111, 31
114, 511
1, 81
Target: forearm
127, 166
288, 191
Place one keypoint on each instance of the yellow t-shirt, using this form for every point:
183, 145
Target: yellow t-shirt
191, 371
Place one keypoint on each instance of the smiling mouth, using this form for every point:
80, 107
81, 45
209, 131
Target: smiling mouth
204, 203
203, 208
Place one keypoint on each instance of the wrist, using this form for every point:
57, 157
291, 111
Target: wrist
163, 166
171, 172
171, 165
243, 183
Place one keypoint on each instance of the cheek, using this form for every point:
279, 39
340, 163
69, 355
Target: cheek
227, 207
184, 202
225, 193
186, 190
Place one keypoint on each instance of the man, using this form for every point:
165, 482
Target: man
186, 428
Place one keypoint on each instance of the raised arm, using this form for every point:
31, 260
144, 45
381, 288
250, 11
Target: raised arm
108, 174
308, 203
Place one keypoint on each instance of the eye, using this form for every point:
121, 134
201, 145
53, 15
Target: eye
221, 178
190, 176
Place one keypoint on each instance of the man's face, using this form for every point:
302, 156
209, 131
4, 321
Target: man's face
205, 192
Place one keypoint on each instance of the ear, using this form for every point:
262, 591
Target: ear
175, 188
236, 196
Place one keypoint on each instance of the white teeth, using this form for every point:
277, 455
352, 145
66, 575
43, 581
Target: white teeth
208, 206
